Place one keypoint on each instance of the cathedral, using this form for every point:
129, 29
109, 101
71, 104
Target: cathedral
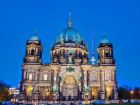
71, 74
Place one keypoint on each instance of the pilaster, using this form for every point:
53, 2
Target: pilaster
86, 90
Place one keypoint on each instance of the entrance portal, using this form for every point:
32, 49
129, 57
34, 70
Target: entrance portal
70, 88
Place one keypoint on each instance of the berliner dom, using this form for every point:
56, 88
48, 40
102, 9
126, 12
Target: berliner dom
71, 74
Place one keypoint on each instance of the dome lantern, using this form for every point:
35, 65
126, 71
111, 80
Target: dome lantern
70, 21
105, 41
34, 38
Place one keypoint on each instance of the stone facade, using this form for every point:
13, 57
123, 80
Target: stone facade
70, 75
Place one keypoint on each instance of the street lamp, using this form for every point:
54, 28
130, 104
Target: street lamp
93, 94
47, 98
30, 93
131, 93
33, 91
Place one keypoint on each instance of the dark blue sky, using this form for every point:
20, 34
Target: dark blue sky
119, 19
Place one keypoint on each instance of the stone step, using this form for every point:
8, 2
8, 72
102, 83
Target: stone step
69, 102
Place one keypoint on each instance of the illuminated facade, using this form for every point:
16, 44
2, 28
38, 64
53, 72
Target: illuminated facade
69, 76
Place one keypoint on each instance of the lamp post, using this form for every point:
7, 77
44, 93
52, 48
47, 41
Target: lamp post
139, 95
47, 98
30, 94
38, 77
131, 94
33, 91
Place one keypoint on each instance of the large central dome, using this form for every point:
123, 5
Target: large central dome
69, 35
69, 47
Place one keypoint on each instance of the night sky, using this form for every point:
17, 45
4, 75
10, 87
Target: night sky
119, 19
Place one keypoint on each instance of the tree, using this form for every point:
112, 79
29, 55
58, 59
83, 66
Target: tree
123, 93
127, 93
4, 93
136, 94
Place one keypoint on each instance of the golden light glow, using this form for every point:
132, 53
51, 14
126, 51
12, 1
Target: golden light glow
94, 91
132, 92
29, 90
86, 101
70, 80
44, 91
86, 67
109, 90
48, 93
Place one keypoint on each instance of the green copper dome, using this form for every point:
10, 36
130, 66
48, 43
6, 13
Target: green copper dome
105, 41
69, 35
34, 38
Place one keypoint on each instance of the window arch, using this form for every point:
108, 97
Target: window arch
108, 76
32, 52
93, 77
30, 76
45, 77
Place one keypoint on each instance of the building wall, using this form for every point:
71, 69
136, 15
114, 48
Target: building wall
94, 81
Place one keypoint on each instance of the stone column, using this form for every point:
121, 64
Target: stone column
85, 78
86, 91
102, 91
115, 86
115, 92
55, 75
55, 84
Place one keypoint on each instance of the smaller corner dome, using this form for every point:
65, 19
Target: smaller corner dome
34, 38
105, 41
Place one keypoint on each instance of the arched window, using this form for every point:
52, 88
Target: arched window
30, 76
93, 77
80, 55
45, 76
108, 76
107, 53
32, 51
38, 53
54, 78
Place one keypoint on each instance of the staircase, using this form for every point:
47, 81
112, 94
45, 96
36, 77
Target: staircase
69, 102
